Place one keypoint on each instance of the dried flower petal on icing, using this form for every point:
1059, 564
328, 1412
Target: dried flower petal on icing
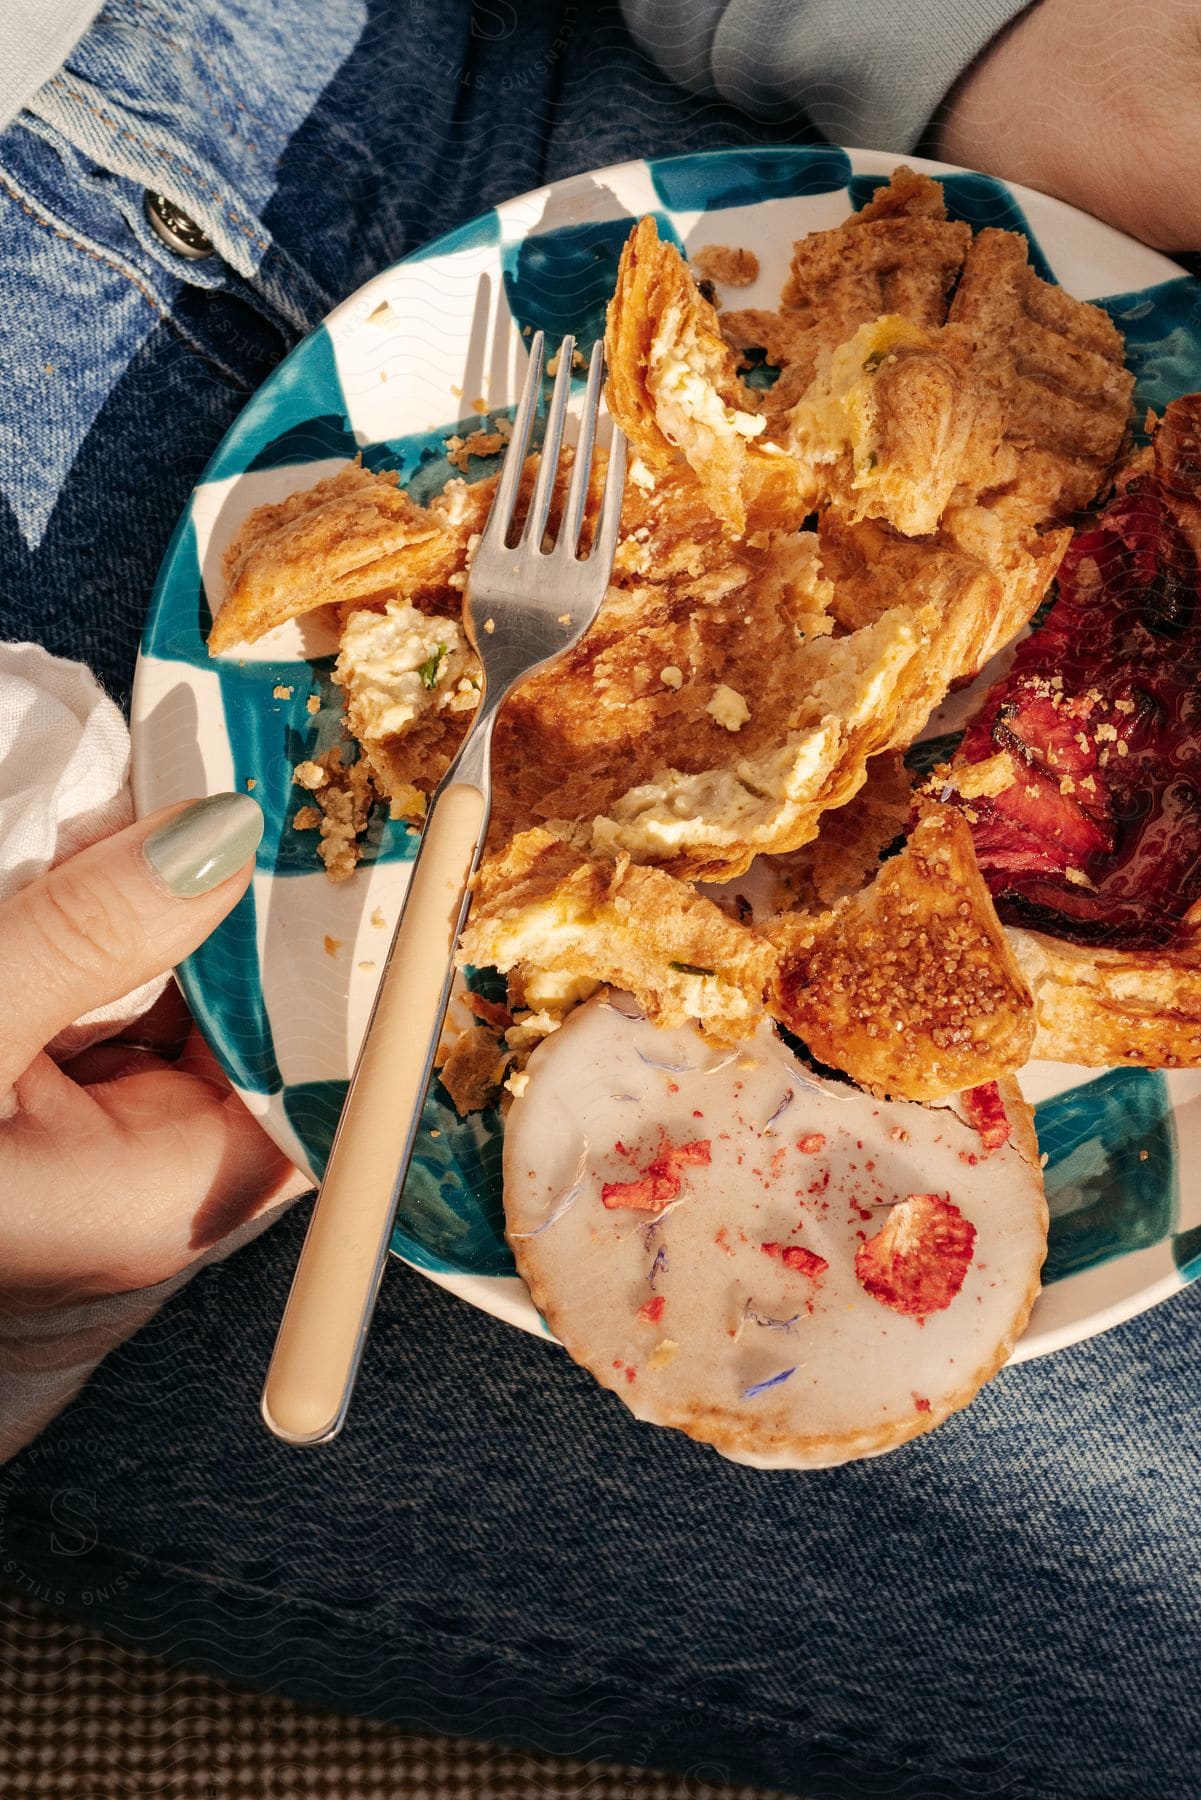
659, 1266
660, 1182
785, 1103
652, 1310
565, 1200
811, 1143
655, 1062
917, 1261
984, 1110
768, 1324
569, 1199
759, 1387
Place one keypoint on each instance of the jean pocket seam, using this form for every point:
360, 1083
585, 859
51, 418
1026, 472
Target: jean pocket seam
59, 231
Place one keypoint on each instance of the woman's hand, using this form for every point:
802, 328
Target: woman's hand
120, 1167
1097, 103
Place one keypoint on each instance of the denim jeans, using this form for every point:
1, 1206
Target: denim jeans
1010, 1607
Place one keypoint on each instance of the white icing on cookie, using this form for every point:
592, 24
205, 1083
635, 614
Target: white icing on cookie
668, 1294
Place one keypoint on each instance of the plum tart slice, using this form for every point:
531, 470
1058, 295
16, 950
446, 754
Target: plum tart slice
1080, 776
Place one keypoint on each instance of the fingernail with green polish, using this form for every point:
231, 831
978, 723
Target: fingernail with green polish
205, 844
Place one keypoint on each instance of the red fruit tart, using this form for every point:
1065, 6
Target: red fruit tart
1080, 777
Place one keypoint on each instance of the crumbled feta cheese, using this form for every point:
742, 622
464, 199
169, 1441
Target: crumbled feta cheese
531, 1028
399, 664
547, 989
452, 502
692, 391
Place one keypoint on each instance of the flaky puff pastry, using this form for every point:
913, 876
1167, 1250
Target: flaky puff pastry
544, 905
982, 575
896, 419
911, 987
1103, 1007
674, 387
919, 615
1057, 366
838, 708
895, 422
899, 254
347, 538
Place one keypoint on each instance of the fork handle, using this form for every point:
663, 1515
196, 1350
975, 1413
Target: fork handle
324, 1327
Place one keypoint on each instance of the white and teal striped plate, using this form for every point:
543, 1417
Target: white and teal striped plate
282, 989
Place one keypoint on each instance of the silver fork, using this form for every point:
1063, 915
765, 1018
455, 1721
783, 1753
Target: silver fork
523, 606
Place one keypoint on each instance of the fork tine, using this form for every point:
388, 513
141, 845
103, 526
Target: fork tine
577, 493
501, 515
552, 438
604, 544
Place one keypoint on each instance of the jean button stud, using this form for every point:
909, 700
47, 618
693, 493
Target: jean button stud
177, 230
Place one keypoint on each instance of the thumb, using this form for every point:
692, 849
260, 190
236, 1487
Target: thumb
119, 913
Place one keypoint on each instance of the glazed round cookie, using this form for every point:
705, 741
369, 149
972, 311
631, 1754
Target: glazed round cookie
777, 1264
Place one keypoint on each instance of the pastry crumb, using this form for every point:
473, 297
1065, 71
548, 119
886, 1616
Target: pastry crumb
728, 266
982, 780
478, 443
728, 708
577, 361
472, 1069
345, 794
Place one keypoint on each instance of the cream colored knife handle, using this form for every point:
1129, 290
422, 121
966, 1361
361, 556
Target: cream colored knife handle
324, 1326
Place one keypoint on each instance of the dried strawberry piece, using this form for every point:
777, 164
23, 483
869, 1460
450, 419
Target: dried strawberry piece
660, 1182
917, 1262
984, 1109
797, 1258
804, 1262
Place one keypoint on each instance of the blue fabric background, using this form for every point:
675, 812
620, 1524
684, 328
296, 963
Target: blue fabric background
1008, 1608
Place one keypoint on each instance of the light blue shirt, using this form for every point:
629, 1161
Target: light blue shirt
868, 73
